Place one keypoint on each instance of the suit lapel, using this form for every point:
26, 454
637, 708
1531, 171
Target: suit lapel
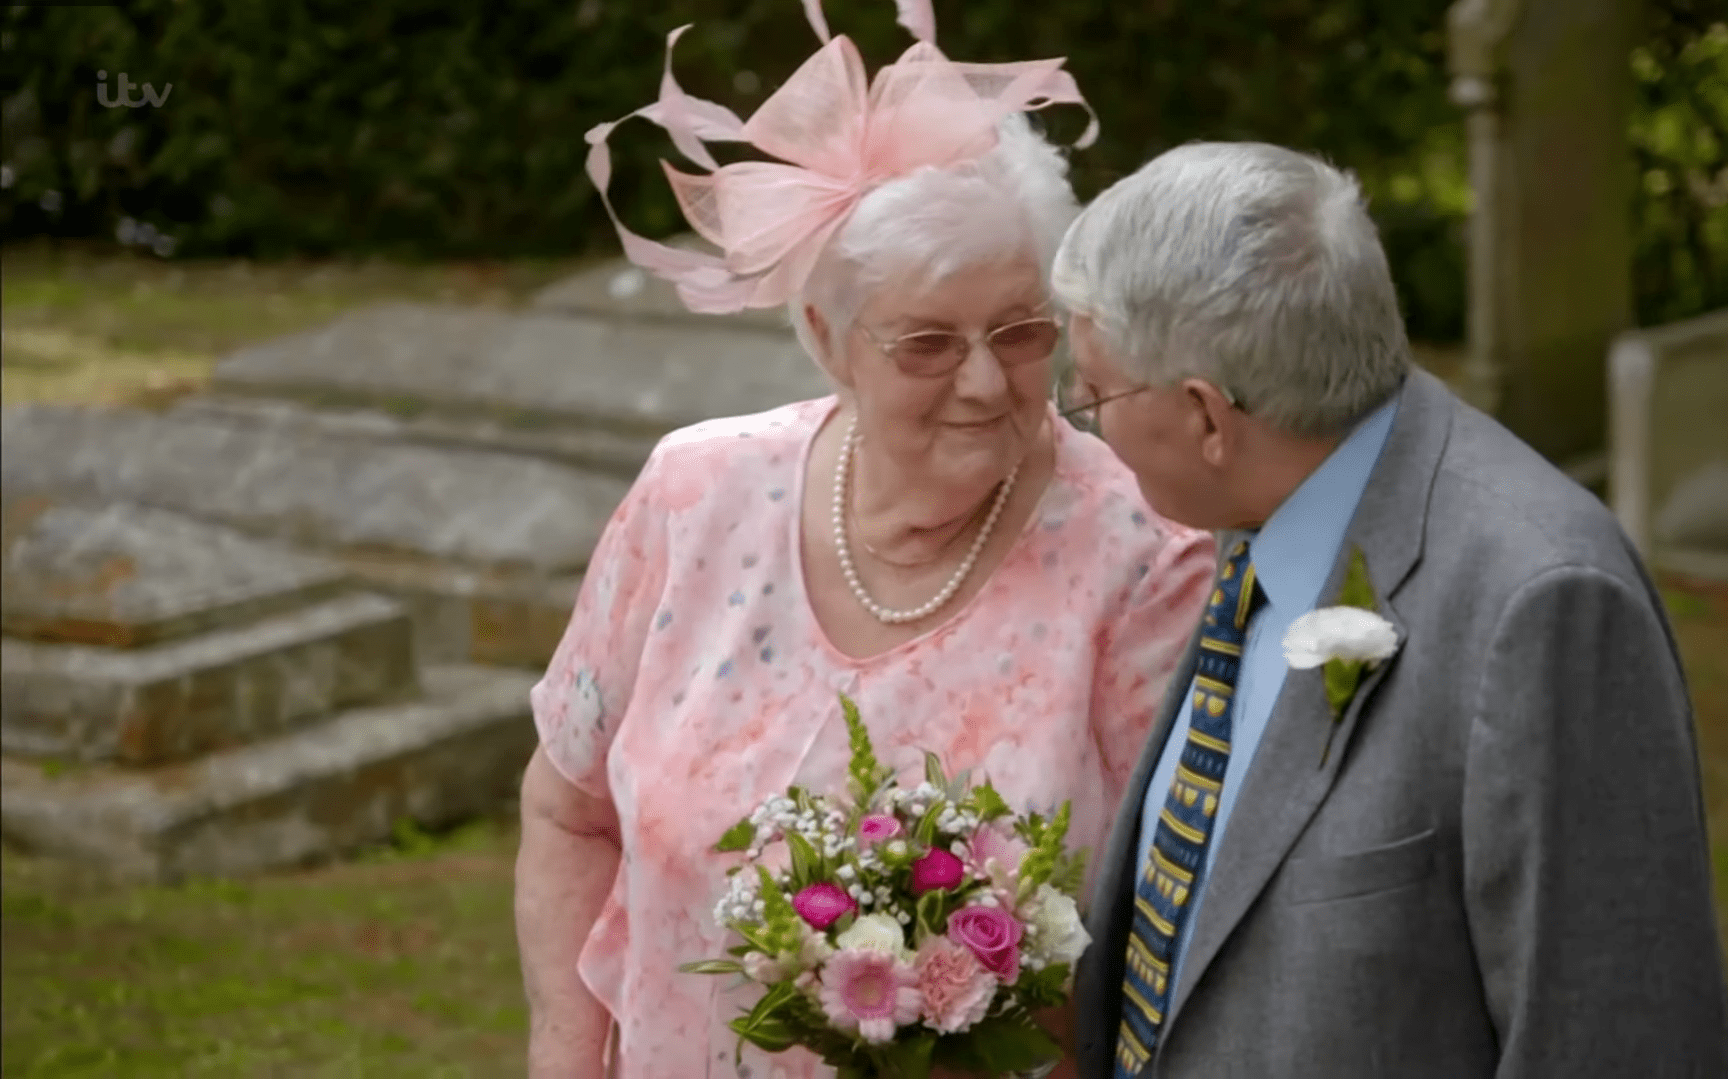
1284, 787
1286, 783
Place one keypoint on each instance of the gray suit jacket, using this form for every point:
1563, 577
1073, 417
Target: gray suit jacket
1501, 870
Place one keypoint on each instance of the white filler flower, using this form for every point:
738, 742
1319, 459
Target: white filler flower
1347, 633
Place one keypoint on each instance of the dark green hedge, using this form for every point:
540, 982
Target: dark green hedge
438, 128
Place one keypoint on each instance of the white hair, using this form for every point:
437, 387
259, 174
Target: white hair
931, 223
1251, 266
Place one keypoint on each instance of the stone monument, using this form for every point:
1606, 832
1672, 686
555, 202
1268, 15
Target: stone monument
264, 625
1547, 87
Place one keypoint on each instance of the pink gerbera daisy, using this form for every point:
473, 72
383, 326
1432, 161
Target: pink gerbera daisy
870, 993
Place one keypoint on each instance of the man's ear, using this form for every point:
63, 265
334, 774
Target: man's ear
1214, 419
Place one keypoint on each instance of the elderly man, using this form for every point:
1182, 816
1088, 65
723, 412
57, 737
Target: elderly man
1449, 825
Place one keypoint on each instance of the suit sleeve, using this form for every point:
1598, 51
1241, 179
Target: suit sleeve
1586, 868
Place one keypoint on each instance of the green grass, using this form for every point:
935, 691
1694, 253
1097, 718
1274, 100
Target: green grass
402, 963
1700, 614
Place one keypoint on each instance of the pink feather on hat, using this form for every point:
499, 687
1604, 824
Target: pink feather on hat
837, 135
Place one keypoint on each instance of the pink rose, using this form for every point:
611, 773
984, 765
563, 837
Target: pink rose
957, 990
878, 827
993, 936
821, 905
938, 869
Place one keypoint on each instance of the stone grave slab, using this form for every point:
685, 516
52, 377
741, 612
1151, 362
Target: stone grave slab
291, 800
180, 698
528, 372
1669, 444
464, 615
619, 288
122, 575
477, 509
485, 549
588, 446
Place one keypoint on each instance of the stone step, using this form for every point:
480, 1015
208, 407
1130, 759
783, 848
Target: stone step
121, 575
292, 800
463, 615
619, 453
586, 387
491, 511
177, 699
485, 548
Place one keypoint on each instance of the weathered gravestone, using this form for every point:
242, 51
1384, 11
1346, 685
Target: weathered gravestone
485, 547
138, 636
178, 699
187, 637
507, 412
589, 391
1669, 437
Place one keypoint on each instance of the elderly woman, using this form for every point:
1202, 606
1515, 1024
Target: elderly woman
931, 540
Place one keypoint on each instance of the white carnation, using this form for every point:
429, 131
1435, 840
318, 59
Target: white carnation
1350, 633
875, 933
1060, 937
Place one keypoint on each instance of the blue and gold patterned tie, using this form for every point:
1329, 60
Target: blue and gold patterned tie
1185, 826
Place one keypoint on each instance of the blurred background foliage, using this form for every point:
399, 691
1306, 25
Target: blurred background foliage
453, 128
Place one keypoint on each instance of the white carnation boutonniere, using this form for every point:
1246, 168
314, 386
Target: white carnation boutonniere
1346, 639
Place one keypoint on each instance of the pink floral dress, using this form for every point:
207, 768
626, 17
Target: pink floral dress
694, 681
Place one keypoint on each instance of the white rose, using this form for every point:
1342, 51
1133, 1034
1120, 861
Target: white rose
1060, 937
1349, 633
875, 933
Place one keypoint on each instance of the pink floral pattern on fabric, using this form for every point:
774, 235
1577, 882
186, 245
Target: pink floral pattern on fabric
694, 681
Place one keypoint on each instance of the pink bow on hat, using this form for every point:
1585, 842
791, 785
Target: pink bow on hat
838, 135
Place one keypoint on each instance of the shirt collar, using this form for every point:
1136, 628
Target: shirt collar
1293, 552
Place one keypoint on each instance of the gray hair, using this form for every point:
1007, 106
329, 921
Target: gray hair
1251, 266
933, 222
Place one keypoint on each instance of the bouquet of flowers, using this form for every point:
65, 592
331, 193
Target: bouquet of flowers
895, 929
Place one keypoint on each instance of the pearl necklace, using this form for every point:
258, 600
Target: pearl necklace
842, 470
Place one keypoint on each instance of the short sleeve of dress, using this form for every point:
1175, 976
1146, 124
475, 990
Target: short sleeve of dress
585, 692
1143, 644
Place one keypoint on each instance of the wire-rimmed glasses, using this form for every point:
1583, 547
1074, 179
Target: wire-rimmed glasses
1079, 404
933, 353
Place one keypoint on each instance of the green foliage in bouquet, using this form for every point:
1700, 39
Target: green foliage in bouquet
868, 776
1049, 861
871, 891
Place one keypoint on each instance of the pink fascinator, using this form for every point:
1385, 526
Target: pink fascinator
836, 136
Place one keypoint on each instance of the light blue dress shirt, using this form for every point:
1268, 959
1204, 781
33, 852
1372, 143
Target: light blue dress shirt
1293, 554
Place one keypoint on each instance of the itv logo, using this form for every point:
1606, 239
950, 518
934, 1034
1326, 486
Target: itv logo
151, 97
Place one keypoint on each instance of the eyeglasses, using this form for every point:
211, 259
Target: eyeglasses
933, 353
1083, 412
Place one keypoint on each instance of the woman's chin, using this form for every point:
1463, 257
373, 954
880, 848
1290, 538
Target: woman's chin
983, 453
